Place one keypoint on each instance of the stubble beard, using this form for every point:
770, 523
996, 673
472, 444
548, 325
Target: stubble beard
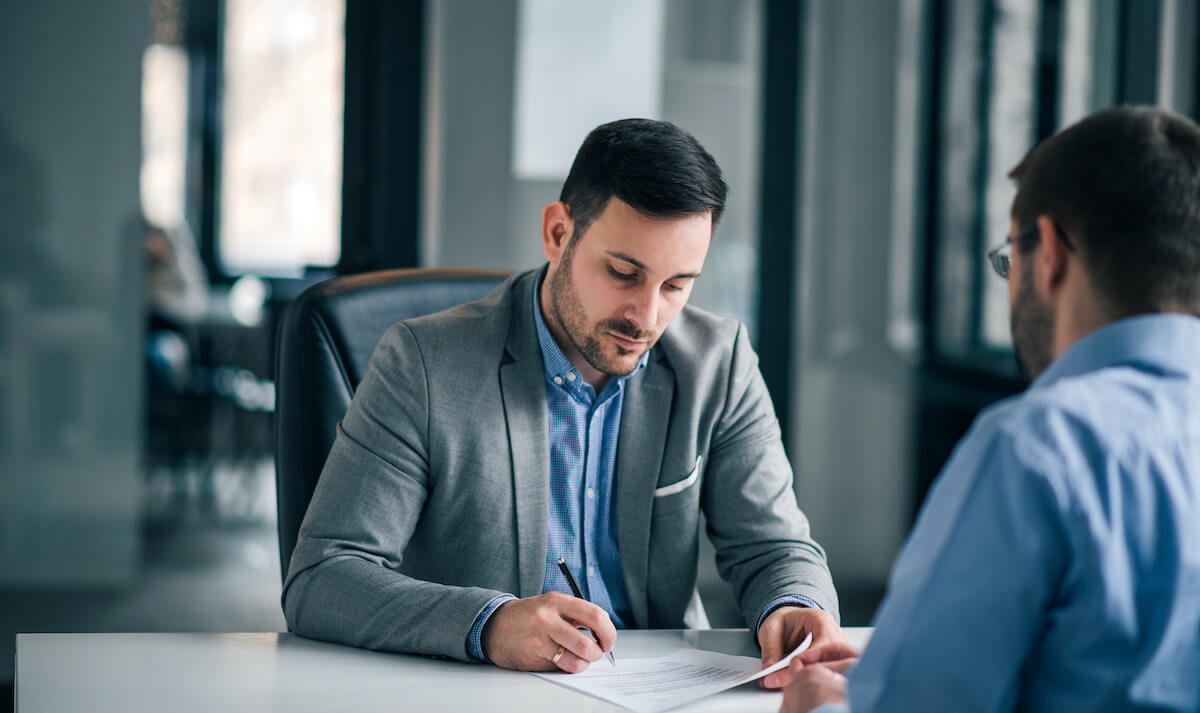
1032, 325
568, 312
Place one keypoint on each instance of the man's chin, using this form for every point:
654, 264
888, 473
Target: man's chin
620, 369
623, 363
1022, 365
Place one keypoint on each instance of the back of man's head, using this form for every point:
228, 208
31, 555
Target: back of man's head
1124, 185
659, 169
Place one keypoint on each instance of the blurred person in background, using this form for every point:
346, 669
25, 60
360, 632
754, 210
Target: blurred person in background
176, 296
176, 286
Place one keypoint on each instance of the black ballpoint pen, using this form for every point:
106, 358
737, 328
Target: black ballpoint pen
562, 565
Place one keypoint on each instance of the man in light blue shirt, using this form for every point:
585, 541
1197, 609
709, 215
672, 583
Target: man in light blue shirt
1056, 563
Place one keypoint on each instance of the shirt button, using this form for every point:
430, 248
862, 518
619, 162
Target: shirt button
591, 571
558, 380
570, 376
591, 494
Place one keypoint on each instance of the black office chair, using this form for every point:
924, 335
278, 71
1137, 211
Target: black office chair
325, 340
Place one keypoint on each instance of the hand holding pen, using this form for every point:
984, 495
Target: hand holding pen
562, 565
547, 632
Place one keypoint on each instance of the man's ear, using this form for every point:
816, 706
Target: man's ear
1052, 257
557, 228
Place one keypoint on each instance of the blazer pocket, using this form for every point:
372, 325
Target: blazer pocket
681, 485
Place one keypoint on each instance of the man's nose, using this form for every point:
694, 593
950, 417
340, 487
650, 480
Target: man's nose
642, 309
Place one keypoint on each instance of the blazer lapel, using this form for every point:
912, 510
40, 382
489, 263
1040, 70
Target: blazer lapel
642, 439
523, 388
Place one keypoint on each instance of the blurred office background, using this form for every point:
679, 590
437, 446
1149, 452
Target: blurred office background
173, 172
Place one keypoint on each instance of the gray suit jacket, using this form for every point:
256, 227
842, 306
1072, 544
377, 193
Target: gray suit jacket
434, 499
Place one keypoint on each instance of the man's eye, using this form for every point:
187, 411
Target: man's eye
671, 288
621, 275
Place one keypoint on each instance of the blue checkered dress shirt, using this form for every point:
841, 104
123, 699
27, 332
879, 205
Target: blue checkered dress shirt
583, 453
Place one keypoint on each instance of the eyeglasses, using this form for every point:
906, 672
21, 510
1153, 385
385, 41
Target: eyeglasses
1002, 262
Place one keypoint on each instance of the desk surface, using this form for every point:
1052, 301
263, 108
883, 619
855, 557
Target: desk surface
135, 673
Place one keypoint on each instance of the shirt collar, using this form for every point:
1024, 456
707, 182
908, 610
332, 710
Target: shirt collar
1157, 342
559, 370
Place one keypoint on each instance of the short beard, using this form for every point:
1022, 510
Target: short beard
1032, 324
568, 312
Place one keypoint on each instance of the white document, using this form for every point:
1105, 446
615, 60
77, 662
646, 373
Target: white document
657, 684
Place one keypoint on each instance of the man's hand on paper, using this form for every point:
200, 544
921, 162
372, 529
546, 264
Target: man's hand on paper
819, 677
785, 628
525, 634
838, 655
816, 684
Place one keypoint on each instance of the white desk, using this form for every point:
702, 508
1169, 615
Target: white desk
135, 673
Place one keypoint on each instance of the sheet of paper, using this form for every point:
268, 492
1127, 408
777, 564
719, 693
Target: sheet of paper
657, 684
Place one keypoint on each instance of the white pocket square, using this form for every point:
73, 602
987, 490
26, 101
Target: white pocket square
680, 486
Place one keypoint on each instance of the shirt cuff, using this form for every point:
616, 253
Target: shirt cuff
787, 600
474, 638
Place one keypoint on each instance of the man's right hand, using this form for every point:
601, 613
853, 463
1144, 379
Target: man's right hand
525, 634
818, 677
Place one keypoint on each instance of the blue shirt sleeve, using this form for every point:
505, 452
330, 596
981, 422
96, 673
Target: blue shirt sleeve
474, 638
969, 592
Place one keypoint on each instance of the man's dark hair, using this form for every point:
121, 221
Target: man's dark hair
659, 169
1124, 185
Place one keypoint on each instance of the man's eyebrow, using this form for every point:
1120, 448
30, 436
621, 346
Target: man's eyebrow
638, 264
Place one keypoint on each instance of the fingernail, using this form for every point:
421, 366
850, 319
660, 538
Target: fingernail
773, 681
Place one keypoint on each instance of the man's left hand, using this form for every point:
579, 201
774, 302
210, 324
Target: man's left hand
783, 631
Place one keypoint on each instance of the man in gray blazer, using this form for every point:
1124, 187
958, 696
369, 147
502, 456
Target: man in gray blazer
559, 417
